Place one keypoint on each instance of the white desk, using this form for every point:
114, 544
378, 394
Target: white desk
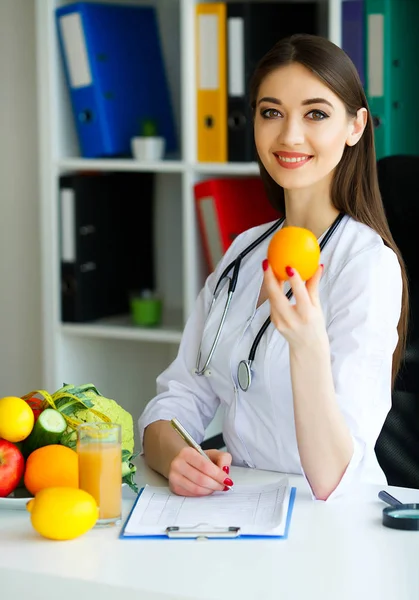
335, 551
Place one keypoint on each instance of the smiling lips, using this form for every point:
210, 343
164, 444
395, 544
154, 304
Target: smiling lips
292, 160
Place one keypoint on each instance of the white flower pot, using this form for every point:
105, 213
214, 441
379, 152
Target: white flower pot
148, 148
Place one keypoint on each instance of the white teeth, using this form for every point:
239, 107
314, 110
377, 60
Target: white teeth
292, 160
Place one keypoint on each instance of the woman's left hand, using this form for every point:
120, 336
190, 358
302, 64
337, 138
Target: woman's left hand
301, 323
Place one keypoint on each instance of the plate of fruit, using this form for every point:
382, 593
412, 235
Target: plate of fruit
38, 440
17, 500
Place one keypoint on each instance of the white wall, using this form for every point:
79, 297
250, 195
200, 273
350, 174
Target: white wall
20, 306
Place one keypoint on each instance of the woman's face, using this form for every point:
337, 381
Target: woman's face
301, 127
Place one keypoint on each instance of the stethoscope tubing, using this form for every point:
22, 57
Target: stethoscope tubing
244, 369
217, 336
265, 326
235, 265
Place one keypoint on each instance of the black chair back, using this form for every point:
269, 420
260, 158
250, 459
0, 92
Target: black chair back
397, 448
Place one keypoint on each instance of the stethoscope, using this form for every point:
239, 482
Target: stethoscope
244, 370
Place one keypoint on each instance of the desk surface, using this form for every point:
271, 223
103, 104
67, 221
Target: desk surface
335, 551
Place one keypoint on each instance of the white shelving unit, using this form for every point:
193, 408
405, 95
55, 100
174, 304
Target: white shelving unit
123, 360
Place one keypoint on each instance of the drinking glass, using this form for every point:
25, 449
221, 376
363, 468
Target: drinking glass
100, 468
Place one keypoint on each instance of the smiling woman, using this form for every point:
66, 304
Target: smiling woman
290, 159
310, 110
300, 122
325, 360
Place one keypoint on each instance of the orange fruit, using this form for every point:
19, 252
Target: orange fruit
294, 247
51, 466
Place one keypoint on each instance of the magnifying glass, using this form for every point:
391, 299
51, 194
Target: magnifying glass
399, 515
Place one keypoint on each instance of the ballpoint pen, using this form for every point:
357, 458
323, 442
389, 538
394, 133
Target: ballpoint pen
187, 437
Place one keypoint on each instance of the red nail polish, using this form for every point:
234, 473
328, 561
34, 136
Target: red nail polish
290, 271
265, 264
226, 469
226, 489
227, 481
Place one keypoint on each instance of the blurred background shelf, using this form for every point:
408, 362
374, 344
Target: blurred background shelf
122, 328
231, 168
114, 164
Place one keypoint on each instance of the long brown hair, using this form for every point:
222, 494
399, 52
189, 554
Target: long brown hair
354, 188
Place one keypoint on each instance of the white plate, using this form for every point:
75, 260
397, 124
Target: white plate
16, 500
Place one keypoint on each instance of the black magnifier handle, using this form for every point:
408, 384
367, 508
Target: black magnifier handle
388, 498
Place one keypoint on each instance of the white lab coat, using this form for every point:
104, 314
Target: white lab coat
360, 293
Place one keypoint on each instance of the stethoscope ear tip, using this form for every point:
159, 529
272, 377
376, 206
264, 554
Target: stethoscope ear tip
207, 373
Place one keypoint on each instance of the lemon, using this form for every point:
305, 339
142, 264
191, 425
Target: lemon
62, 513
16, 419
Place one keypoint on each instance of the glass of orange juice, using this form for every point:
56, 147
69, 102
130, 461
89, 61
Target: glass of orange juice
100, 468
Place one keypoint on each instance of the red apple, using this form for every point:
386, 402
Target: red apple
12, 466
36, 404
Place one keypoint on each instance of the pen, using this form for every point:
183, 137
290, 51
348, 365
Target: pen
187, 437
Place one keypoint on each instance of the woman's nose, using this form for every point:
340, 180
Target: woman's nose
291, 132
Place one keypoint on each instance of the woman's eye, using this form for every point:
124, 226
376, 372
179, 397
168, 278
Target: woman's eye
270, 113
317, 115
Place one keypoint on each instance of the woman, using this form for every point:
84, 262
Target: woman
323, 370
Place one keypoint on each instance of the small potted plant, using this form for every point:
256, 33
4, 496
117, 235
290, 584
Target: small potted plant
146, 308
148, 145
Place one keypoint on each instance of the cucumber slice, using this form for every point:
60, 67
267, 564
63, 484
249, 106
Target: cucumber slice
47, 430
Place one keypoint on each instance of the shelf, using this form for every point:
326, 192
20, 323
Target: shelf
122, 328
164, 166
251, 168
128, 164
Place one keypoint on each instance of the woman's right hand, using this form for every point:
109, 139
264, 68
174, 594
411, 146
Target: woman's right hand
191, 475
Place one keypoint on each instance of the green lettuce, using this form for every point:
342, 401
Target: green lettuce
85, 404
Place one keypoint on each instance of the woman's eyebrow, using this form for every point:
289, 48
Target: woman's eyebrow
316, 101
272, 100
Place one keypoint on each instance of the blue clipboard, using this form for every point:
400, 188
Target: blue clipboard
200, 532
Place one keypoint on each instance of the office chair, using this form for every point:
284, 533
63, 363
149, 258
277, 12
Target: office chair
397, 448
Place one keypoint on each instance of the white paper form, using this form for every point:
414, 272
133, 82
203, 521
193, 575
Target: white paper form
257, 510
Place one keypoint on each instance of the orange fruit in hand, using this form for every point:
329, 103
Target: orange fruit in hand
51, 466
294, 247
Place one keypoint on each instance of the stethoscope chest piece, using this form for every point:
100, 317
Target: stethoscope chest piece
402, 516
244, 374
